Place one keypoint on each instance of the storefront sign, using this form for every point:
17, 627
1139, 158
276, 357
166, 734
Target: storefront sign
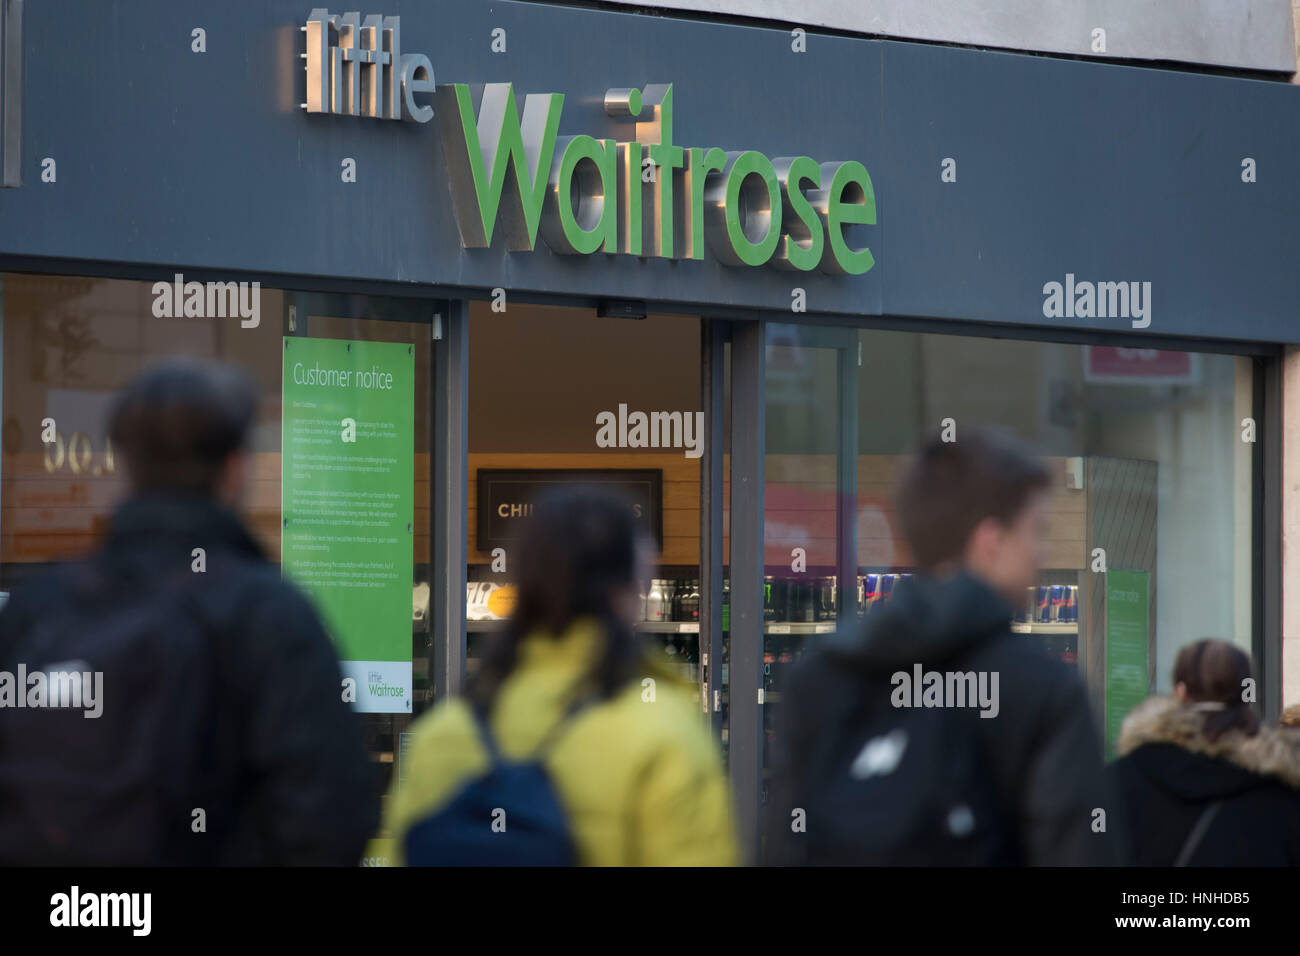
1127, 659
506, 497
356, 67
1121, 366
966, 184
750, 210
346, 486
643, 197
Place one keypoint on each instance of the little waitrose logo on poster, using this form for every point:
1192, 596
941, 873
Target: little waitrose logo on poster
646, 196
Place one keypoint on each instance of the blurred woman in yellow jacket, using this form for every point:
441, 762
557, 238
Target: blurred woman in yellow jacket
636, 775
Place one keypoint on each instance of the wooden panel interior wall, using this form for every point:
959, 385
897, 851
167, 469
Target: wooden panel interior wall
53, 516
800, 506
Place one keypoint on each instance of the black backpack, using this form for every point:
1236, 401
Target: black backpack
891, 786
119, 788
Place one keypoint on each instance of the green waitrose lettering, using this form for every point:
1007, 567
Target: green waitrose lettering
750, 210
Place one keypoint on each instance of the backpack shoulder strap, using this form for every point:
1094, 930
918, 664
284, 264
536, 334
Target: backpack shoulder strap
481, 722
571, 713
1198, 832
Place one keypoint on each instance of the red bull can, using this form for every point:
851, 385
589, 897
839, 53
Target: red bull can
1057, 602
1043, 606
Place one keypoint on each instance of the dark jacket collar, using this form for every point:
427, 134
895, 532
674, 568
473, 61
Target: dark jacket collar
150, 518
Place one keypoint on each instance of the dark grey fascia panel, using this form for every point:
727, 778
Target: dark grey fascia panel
1062, 167
1105, 173
1241, 34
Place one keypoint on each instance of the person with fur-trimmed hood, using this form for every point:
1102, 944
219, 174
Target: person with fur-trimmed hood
1203, 784
1291, 716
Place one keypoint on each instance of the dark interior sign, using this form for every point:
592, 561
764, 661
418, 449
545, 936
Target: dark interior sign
506, 498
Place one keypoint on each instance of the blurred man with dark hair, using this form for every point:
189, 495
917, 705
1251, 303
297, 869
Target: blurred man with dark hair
219, 734
937, 736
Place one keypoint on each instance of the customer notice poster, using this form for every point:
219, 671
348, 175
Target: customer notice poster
1127, 659
346, 486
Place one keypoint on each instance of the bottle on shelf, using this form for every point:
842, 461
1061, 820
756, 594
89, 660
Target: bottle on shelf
690, 602
1070, 650
826, 606
659, 601
802, 600
770, 598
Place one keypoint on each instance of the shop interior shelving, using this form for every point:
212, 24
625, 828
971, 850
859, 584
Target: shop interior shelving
684, 627
791, 627
1068, 627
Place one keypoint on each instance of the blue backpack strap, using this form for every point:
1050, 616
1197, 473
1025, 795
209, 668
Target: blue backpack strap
488, 739
575, 708
485, 733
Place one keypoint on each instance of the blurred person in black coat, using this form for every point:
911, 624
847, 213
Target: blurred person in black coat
862, 776
222, 736
1202, 783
